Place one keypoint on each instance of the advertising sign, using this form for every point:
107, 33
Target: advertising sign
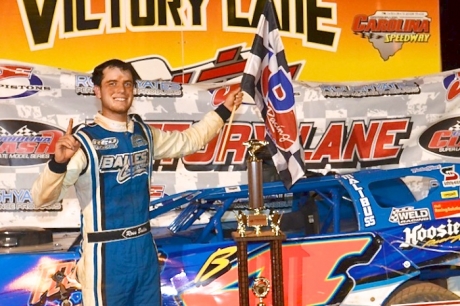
343, 126
335, 40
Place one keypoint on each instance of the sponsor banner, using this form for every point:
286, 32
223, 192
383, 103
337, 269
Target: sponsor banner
334, 41
343, 127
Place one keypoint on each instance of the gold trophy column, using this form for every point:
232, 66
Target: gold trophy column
257, 219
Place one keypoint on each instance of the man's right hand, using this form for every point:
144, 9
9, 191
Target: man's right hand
66, 146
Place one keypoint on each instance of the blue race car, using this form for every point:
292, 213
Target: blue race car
372, 237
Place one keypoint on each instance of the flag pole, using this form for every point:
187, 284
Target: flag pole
227, 131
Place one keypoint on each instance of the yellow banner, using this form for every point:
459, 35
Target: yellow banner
334, 40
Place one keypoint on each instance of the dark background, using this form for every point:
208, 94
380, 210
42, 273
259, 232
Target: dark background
450, 34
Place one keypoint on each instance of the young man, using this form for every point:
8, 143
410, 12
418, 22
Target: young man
110, 163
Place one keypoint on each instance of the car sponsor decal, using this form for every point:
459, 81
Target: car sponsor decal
451, 177
446, 208
422, 235
408, 215
449, 194
425, 168
369, 218
216, 265
323, 263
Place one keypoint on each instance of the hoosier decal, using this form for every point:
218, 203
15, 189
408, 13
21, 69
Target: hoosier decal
431, 236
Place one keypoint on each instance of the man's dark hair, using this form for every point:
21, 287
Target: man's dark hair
113, 63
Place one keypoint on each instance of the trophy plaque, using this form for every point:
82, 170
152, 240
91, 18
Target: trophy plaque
258, 225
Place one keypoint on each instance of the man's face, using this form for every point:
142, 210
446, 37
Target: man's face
116, 93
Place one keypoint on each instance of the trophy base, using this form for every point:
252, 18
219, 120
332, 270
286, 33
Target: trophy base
264, 235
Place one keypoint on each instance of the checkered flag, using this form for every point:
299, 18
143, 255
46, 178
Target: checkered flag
4, 132
24, 131
267, 80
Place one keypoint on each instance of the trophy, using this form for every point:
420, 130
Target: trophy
252, 228
256, 218
242, 221
275, 219
260, 288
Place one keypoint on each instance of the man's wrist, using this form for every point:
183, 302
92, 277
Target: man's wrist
223, 112
57, 167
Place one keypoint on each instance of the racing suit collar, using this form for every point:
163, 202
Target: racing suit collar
114, 126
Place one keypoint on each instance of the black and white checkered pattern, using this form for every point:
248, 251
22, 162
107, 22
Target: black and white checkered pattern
24, 131
4, 132
455, 127
267, 54
394, 216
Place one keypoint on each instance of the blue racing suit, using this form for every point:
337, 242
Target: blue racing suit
111, 174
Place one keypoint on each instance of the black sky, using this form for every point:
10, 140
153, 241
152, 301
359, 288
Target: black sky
450, 34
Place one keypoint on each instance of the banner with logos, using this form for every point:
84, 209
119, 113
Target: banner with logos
344, 126
334, 40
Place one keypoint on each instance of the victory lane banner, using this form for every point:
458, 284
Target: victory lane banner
336, 40
343, 127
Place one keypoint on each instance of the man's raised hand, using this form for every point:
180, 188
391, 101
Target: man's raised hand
234, 99
66, 146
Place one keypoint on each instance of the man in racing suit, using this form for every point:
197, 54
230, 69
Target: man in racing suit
110, 163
